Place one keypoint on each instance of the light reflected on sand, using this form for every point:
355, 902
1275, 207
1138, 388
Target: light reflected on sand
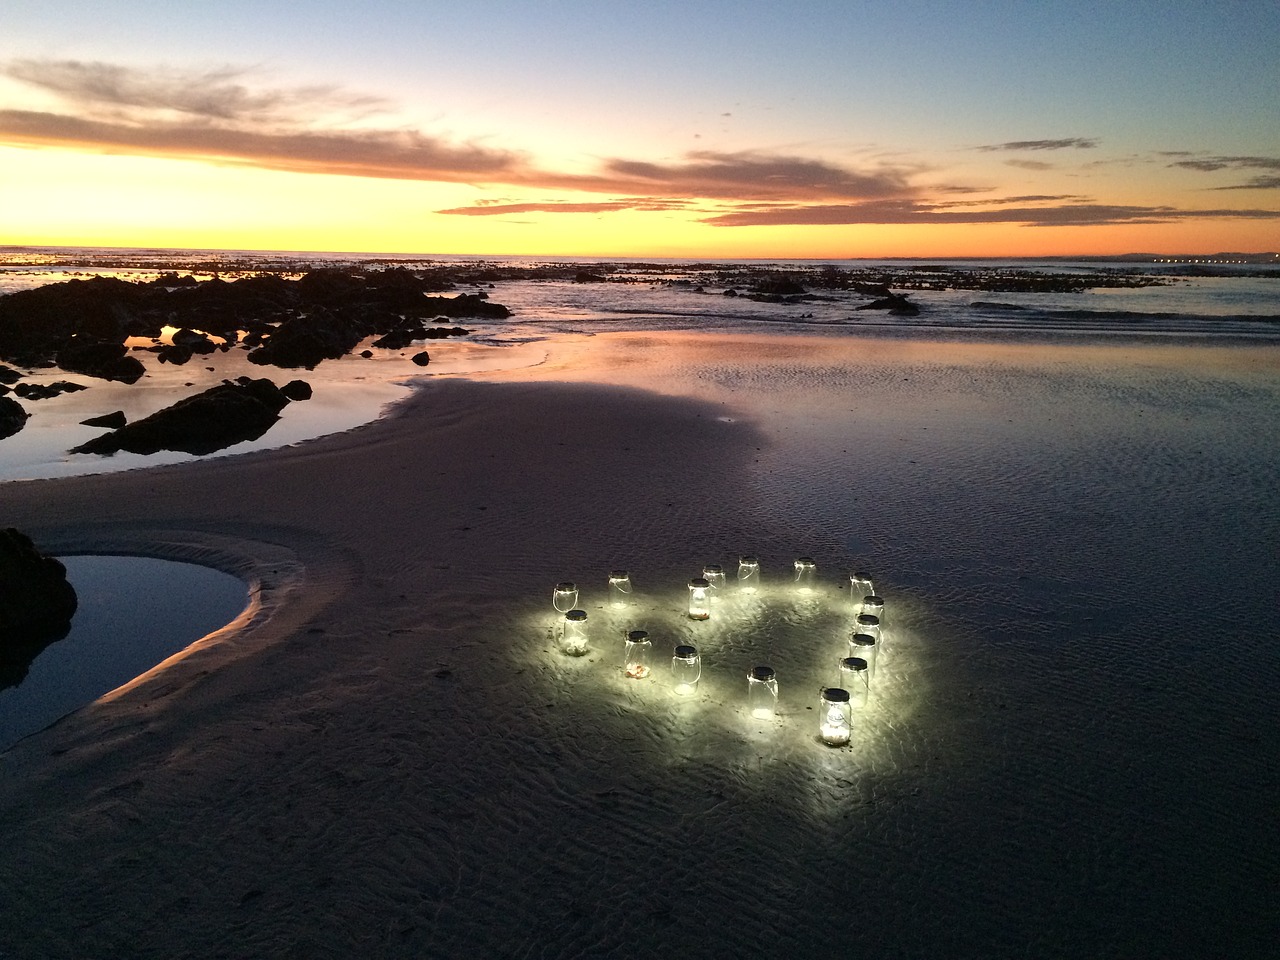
802, 637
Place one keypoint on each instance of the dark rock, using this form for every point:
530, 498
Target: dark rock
307, 341
194, 341
399, 339
284, 322
36, 604
585, 276
439, 333
467, 305
112, 421
175, 354
103, 359
297, 390
13, 417
731, 292
777, 287
366, 354
421, 359
44, 391
34, 322
233, 412
895, 303
9, 375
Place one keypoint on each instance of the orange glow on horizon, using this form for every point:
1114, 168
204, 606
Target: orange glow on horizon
55, 197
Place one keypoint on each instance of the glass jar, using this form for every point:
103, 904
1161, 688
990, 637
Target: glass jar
565, 596
699, 599
866, 623
762, 692
865, 647
619, 587
573, 633
836, 718
748, 574
686, 669
806, 574
855, 678
713, 573
859, 587
873, 605
635, 658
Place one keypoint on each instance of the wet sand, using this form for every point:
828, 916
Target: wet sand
1066, 751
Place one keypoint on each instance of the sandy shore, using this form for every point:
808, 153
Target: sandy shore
386, 756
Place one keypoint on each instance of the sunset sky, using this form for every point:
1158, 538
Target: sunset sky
696, 129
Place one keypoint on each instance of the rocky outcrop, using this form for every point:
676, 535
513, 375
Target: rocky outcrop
104, 359
896, 303
306, 341
81, 325
45, 391
36, 604
111, 421
230, 413
13, 417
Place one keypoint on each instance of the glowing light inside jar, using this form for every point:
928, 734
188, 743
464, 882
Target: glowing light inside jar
565, 596
836, 721
806, 574
699, 599
748, 574
635, 657
686, 669
762, 692
573, 633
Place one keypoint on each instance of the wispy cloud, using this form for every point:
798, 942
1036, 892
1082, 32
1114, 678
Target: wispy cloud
1266, 181
403, 155
911, 212
1212, 164
214, 115
551, 206
1067, 143
217, 94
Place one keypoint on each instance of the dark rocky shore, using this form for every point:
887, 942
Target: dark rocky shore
102, 327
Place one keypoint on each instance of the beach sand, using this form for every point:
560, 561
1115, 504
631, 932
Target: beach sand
1067, 751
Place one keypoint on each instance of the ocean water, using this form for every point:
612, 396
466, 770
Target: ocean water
999, 299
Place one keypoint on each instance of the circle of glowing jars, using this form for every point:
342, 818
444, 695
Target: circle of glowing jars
573, 633
619, 587
713, 573
836, 717
565, 596
859, 587
863, 646
635, 657
873, 605
806, 574
686, 669
699, 599
762, 692
855, 678
748, 574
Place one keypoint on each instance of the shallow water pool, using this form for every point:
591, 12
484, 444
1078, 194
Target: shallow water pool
133, 613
